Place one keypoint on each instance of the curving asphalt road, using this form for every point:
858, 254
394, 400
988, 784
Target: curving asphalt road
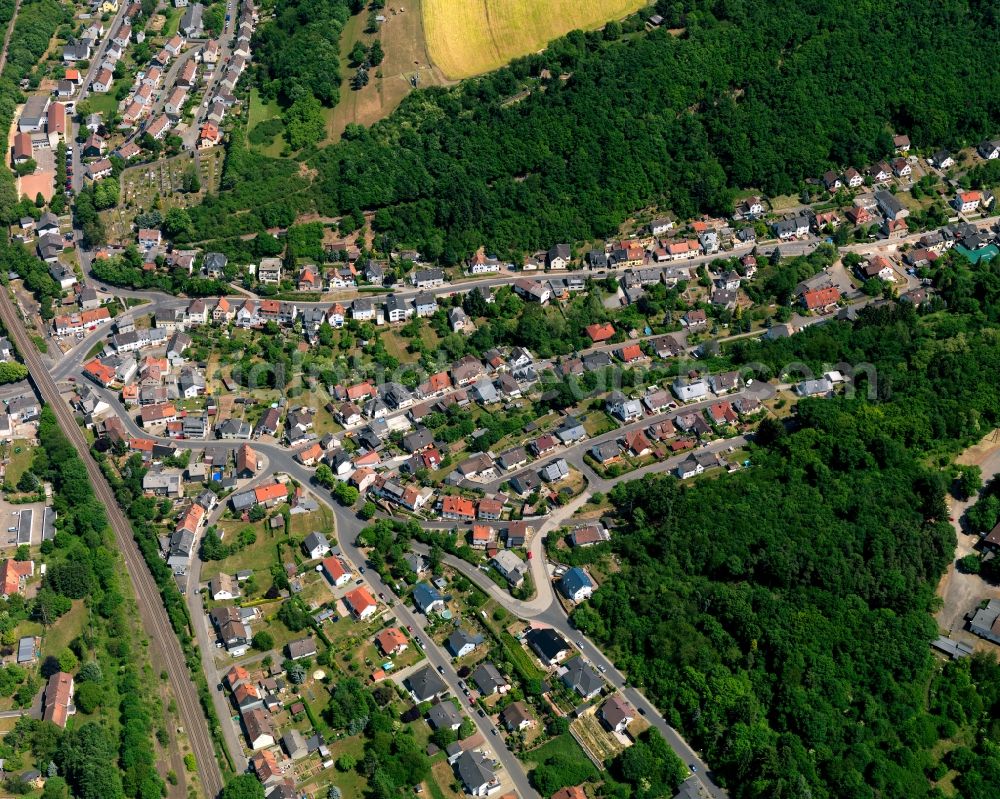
542, 609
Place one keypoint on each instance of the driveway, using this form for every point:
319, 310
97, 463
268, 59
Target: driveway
960, 592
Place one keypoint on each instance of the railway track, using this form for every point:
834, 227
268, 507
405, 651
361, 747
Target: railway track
147, 593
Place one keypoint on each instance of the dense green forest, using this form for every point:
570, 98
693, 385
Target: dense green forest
297, 53
752, 94
781, 615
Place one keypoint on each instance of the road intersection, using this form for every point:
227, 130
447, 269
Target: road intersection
542, 609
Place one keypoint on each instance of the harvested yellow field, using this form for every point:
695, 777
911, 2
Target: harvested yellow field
469, 37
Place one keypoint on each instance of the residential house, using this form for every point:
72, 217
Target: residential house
548, 644
444, 716
294, 743
425, 304
315, 545
257, 725
813, 388
361, 603
832, 182
391, 641
617, 713
895, 229
533, 291
967, 202
335, 571
223, 587
942, 159
269, 271
570, 430
688, 389
301, 648
457, 318
695, 319
482, 536
853, 178
600, 332
475, 771
588, 535
722, 413
14, 576
605, 453
558, 257
425, 685
582, 678
821, 300
102, 81
459, 508
427, 278
576, 585
621, 407
191, 24
489, 680
427, 598
636, 444
986, 621
57, 702
890, 205
516, 717
271, 495
795, 227
510, 566
555, 471
461, 643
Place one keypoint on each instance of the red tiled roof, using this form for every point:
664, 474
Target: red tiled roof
631, 353
821, 298
458, 506
359, 600
439, 381
599, 332
192, 519
390, 639
334, 568
58, 698
270, 492
12, 572
482, 533
101, 372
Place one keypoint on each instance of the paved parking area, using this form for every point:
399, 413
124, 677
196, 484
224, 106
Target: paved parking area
21, 524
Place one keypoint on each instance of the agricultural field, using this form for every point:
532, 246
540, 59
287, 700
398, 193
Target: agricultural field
469, 37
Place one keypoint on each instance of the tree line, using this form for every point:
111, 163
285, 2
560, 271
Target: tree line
781, 615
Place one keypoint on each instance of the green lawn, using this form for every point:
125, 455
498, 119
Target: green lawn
172, 24
105, 104
261, 112
320, 521
64, 630
351, 783
21, 454
564, 745
259, 556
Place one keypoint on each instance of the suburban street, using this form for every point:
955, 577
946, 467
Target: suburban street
542, 609
166, 647
95, 64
